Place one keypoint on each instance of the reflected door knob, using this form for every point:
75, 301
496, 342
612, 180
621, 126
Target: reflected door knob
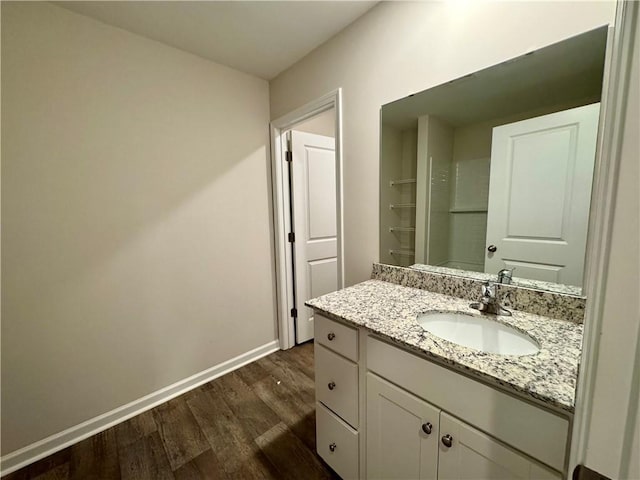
427, 427
492, 248
447, 440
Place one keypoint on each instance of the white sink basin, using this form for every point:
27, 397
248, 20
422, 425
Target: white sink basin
479, 333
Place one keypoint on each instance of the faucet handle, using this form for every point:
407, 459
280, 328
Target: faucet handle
505, 275
489, 301
488, 289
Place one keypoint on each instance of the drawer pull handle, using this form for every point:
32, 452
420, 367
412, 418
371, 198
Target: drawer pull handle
447, 440
332, 447
331, 336
331, 385
426, 428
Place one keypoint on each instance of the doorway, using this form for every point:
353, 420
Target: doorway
307, 206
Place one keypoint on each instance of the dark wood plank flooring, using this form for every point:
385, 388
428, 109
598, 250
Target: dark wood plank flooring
255, 423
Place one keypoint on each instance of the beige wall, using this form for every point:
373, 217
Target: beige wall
399, 48
321, 124
135, 218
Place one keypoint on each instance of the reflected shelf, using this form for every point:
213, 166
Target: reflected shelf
469, 210
402, 205
402, 253
406, 181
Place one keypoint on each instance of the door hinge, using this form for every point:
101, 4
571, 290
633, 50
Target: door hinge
294, 312
292, 237
289, 156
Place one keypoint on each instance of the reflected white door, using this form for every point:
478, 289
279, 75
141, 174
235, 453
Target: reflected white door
314, 223
540, 193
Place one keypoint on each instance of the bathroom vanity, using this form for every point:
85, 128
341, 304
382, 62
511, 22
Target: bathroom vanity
480, 176
396, 401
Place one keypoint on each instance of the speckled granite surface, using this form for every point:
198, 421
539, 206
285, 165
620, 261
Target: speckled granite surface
548, 304
390, 310
517, 281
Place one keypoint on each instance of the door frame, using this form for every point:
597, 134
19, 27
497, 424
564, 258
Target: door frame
281, 213
615, 87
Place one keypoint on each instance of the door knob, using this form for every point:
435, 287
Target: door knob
332, 447
427, 427
331, 336
492, 248
447, 440
331, 385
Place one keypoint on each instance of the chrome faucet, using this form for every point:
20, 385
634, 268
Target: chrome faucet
506, 275
489, 301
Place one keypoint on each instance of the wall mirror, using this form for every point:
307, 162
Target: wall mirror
494, 170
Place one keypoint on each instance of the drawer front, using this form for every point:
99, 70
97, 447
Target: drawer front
337, 443
337, 337
337, 384
537, 432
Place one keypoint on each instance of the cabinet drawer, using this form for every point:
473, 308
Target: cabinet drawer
538, 433
337, 443
337, 384
337, 337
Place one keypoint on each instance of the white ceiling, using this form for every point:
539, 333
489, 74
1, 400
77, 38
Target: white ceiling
261, 38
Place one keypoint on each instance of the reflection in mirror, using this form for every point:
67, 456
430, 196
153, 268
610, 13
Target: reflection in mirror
493, 171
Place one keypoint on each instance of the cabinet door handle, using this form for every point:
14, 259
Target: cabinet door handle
331, 385
332, 447
331, 336
427, 427
447, 440
492, 249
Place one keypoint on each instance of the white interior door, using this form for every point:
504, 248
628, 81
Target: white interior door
314, 223
540, 193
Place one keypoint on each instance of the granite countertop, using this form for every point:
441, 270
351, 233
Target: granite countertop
390, 310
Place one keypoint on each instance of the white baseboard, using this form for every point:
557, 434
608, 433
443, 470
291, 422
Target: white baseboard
45, 447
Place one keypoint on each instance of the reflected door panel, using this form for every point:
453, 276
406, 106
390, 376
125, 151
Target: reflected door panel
539, 195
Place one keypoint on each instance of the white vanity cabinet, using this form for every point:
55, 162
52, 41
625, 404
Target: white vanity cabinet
413, 418
409, 438
535, 432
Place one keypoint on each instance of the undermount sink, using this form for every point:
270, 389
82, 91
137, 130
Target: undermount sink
479, 333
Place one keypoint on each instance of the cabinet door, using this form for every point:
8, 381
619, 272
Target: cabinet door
398, 447
476, 456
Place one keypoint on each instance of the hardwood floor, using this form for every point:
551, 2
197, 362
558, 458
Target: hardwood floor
255, 423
